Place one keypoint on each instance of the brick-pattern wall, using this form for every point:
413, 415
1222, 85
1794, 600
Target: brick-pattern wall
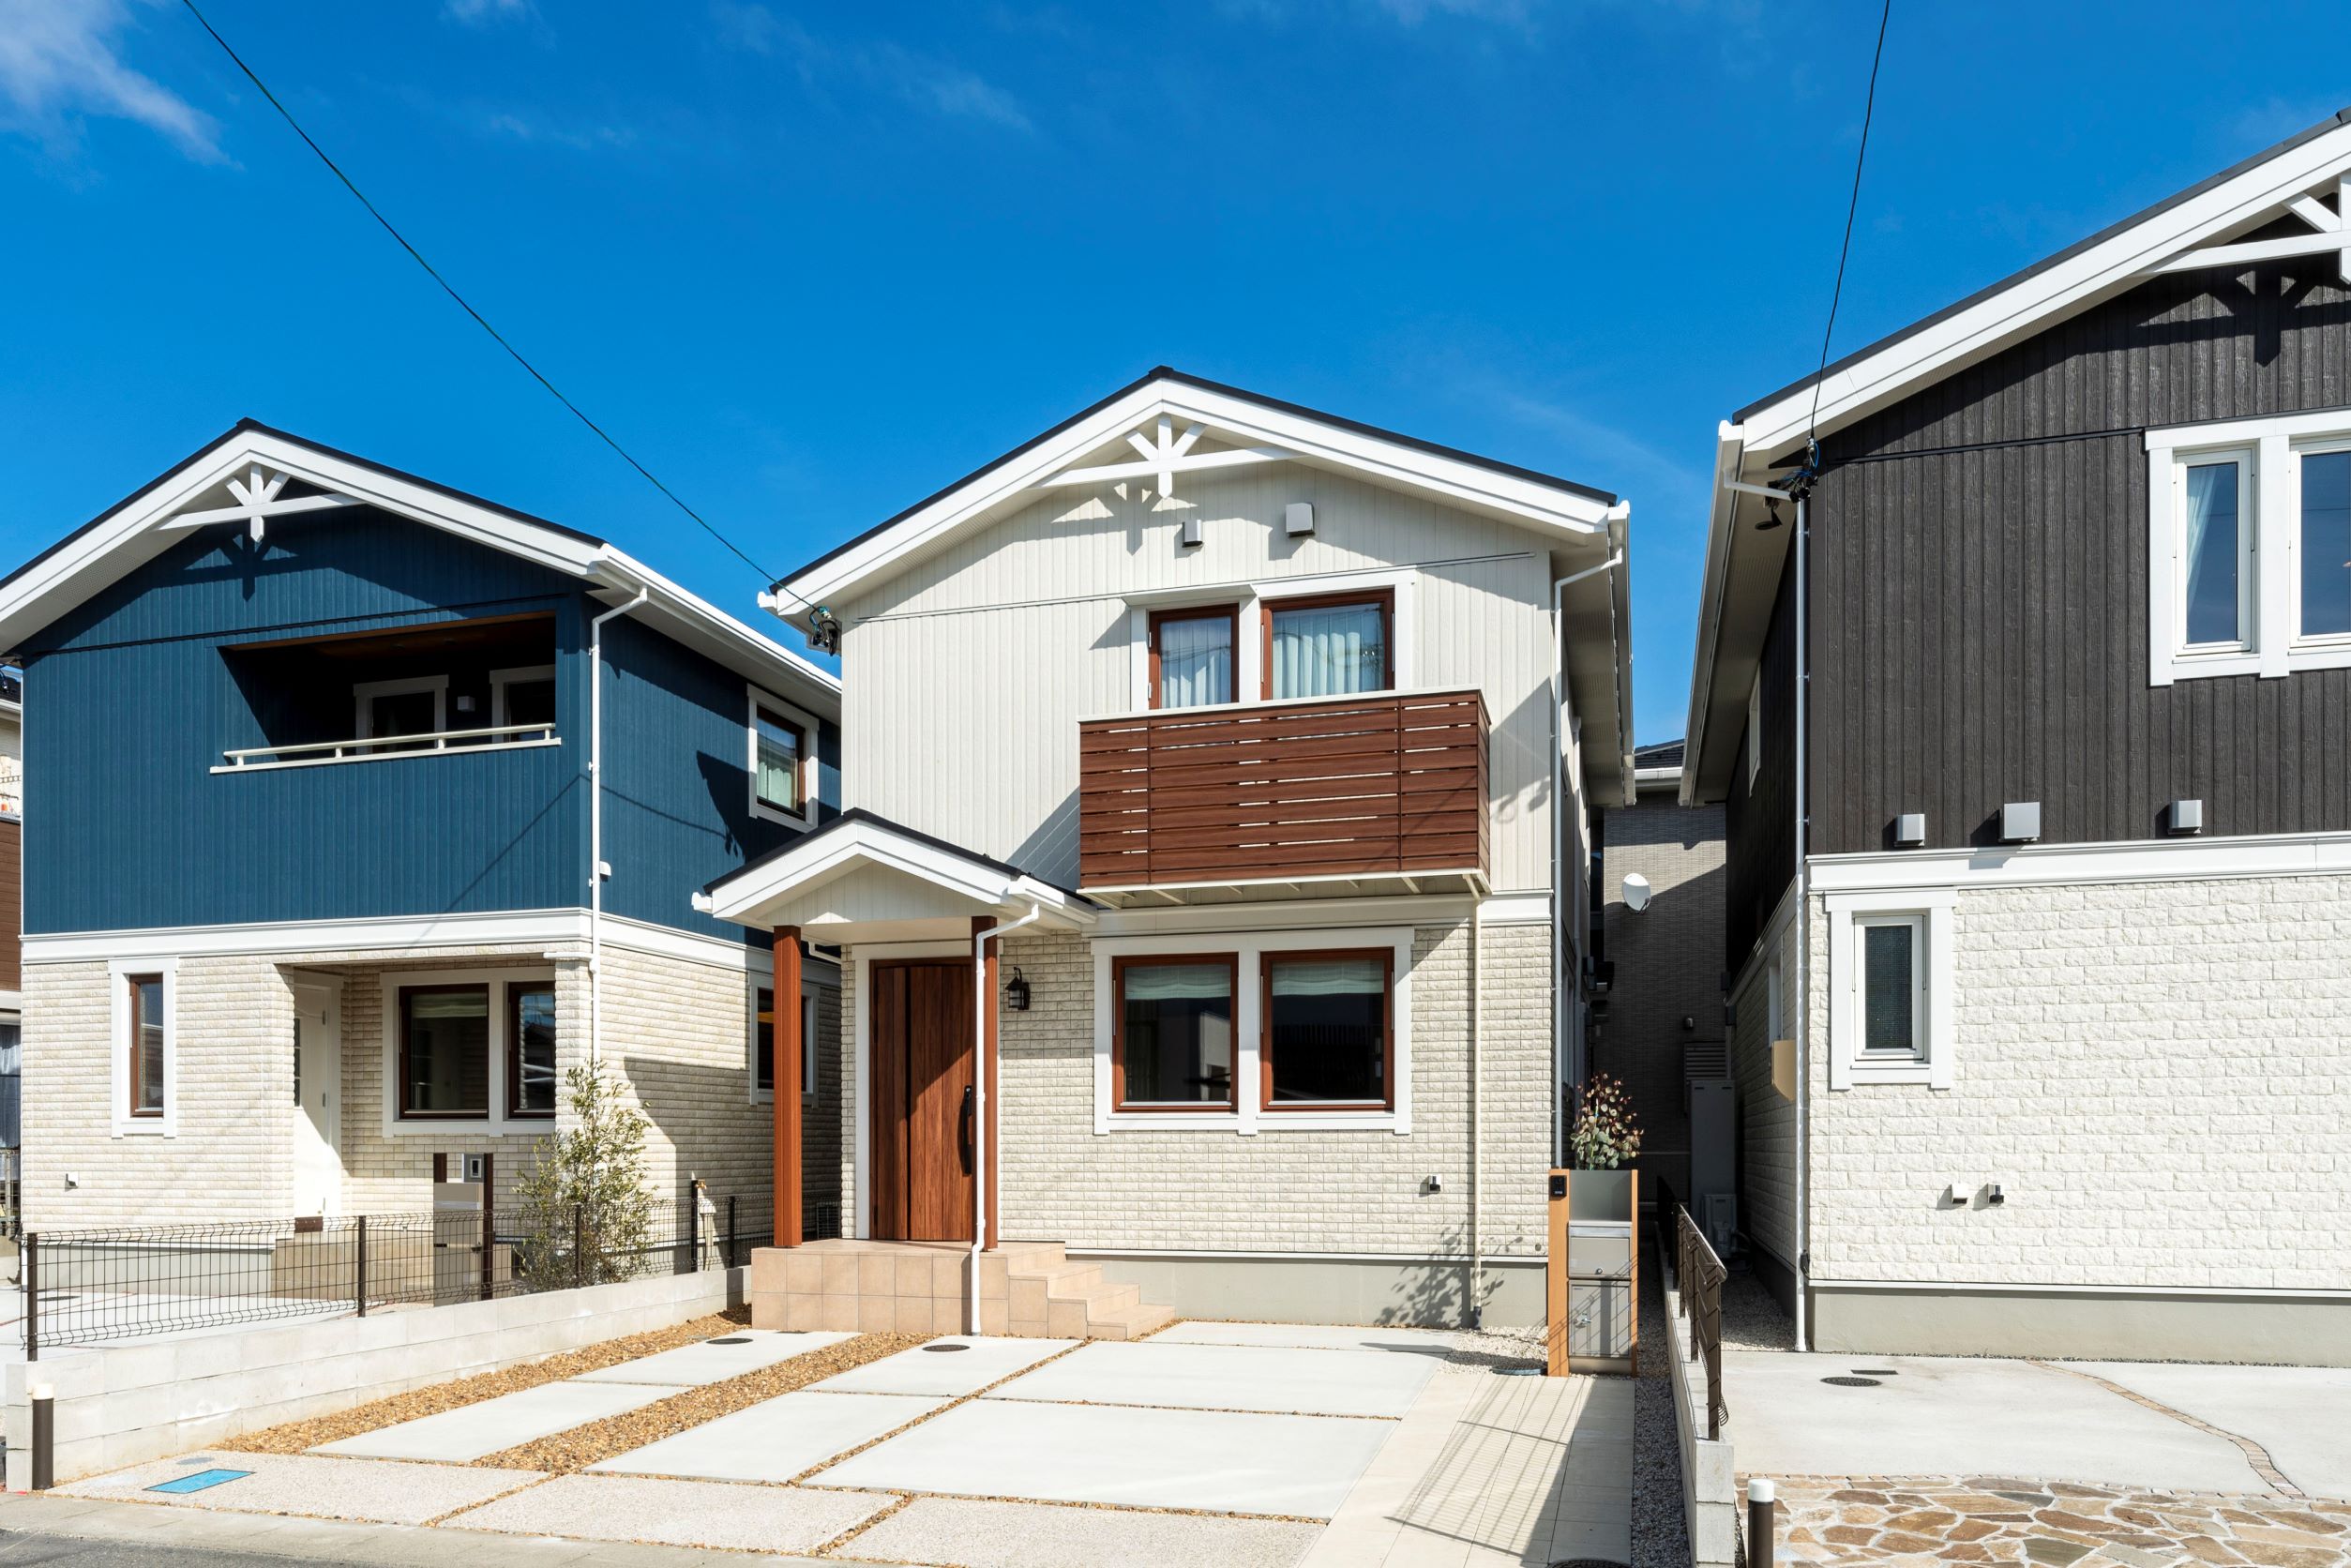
1324, 1192
1668, 963
2154, 1073
1767, 1124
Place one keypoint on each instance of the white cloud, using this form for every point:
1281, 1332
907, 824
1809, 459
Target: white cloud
58, 64
523, 126
938, 86
481, 13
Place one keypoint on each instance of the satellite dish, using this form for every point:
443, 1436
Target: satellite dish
1636, 891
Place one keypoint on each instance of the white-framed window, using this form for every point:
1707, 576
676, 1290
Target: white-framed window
523, 696
780, 751
2250, 547
418, 705
1890, 988
1754, 729
471, 1048
763, 1040
809, 1038
1254, 1032
1295, 639
146, 1046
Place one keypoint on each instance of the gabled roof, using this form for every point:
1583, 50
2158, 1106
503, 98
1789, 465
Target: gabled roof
2302, 185
858, 840
214, 479
1230, 415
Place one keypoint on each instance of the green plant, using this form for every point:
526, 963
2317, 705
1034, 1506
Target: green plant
1606, 1133
584, 1208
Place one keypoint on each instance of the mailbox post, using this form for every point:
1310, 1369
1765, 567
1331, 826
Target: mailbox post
1593, 1281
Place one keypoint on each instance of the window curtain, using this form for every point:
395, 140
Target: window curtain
1178, 982
780, 763
1329, 977
1196, 661
2211, 552
1330, 650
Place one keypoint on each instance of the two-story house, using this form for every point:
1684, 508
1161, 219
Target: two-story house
1212, 892
2028, 696
366, 809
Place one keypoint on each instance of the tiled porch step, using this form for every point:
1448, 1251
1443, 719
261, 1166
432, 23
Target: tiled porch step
1028, 1288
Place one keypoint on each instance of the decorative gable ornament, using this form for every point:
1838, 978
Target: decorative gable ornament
258, 497
1162, 456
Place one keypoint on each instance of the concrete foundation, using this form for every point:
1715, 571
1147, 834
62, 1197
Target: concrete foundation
2274, 1329
1402, 1291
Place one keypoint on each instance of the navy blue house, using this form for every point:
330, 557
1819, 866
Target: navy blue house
324, 759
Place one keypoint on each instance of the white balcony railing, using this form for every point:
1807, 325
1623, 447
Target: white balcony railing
377, 748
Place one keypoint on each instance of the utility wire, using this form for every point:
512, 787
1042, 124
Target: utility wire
462, 303
1869, 108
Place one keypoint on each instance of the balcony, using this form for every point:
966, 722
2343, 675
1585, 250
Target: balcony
1388, 788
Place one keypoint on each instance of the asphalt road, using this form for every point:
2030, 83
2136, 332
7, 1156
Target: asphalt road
24, 1548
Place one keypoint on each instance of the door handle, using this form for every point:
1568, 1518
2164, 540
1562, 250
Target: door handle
966, 1123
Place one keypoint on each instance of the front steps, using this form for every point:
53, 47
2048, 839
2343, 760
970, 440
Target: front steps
1028, 1290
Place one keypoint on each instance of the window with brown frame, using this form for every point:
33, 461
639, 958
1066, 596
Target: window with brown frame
146, 1067
445, 1053
1327, 1030
1171, 1044
1192, 655
530, 1049
1330, 644
781, 749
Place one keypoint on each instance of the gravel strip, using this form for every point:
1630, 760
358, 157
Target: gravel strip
1661, 1533
1752, 1320
576, 1450
297, 1437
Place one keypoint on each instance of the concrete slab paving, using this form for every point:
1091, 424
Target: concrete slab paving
714, 1361
321, 1488
2296, 1412
1231, 1378
774, 1440
1310, 1336
460, 1436
933, 1369
712, 1514
976, 1535
1213, 1460
1953, 1415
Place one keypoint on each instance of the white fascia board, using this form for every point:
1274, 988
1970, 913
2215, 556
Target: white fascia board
1992, 324
2183, 859
1730, 450
1469, 484
687, 617
862, 844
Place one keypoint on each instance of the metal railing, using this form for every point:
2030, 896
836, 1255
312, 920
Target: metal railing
369, 746
1699, 1275
127, 1282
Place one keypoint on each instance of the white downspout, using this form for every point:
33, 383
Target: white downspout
1559, 844
1477, 1055
597, 871
1803, 951
981, 1002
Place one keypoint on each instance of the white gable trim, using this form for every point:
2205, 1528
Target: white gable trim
1472, 486
837, 851
144, 527
2121, 262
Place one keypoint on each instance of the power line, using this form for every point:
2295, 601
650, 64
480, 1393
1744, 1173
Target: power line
479, 320
1869, 108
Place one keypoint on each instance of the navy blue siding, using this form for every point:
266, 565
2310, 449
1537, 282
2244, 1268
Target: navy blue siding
129, 705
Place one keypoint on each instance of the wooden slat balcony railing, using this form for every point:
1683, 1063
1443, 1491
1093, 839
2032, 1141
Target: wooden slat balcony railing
1353, 786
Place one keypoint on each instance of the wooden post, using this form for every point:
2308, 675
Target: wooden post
1555, 1281
991, 1017
789, 1074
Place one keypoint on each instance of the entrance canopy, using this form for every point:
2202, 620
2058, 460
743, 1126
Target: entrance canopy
862, 877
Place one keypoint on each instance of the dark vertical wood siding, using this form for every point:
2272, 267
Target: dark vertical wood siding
11, 904
1760, 823
1979, 568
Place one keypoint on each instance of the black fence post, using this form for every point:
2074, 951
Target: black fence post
359, 1269
489, 1224
693, 1228
32, 1296
734, 1257
579, 1255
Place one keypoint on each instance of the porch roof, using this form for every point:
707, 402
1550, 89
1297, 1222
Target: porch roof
862, 878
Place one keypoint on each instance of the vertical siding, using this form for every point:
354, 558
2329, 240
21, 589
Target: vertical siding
968, 672
1759, 821
1980, 576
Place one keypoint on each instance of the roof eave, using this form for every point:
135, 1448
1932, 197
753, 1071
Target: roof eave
1721, 521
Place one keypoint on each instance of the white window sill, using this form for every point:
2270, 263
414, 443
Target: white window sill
461, 1126
767, 813
146, 1126
1914, 1070
1173, 1121
1264, 1122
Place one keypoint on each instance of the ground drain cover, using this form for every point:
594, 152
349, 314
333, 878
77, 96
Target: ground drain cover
1876, 1372
733, 1339
1588, 1562
200, 1480
947, 1347
1850, 1382
1522, 1371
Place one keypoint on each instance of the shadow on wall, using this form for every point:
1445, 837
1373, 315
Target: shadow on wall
1439, 1295
716, 1131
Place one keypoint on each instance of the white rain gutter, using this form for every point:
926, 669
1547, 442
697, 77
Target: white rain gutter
1558, 846
982, 1001
597, 869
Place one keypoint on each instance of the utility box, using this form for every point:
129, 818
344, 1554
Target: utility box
1592, 1308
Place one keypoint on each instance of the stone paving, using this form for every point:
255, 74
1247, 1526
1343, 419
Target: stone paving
2002, 1519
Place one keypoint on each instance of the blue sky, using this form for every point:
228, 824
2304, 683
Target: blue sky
810, 263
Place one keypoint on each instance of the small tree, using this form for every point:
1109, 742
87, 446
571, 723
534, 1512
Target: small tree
585, 1207
1606, 1134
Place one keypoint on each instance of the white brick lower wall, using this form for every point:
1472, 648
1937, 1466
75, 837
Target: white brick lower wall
1767, 1124
2156, 1074
1318, 1192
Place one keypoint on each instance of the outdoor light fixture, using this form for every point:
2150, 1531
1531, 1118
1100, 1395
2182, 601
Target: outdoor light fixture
1017, 992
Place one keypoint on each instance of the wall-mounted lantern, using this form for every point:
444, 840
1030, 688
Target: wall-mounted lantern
1016, 992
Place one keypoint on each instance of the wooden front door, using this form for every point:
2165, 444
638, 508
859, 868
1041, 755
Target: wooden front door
923, 1121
